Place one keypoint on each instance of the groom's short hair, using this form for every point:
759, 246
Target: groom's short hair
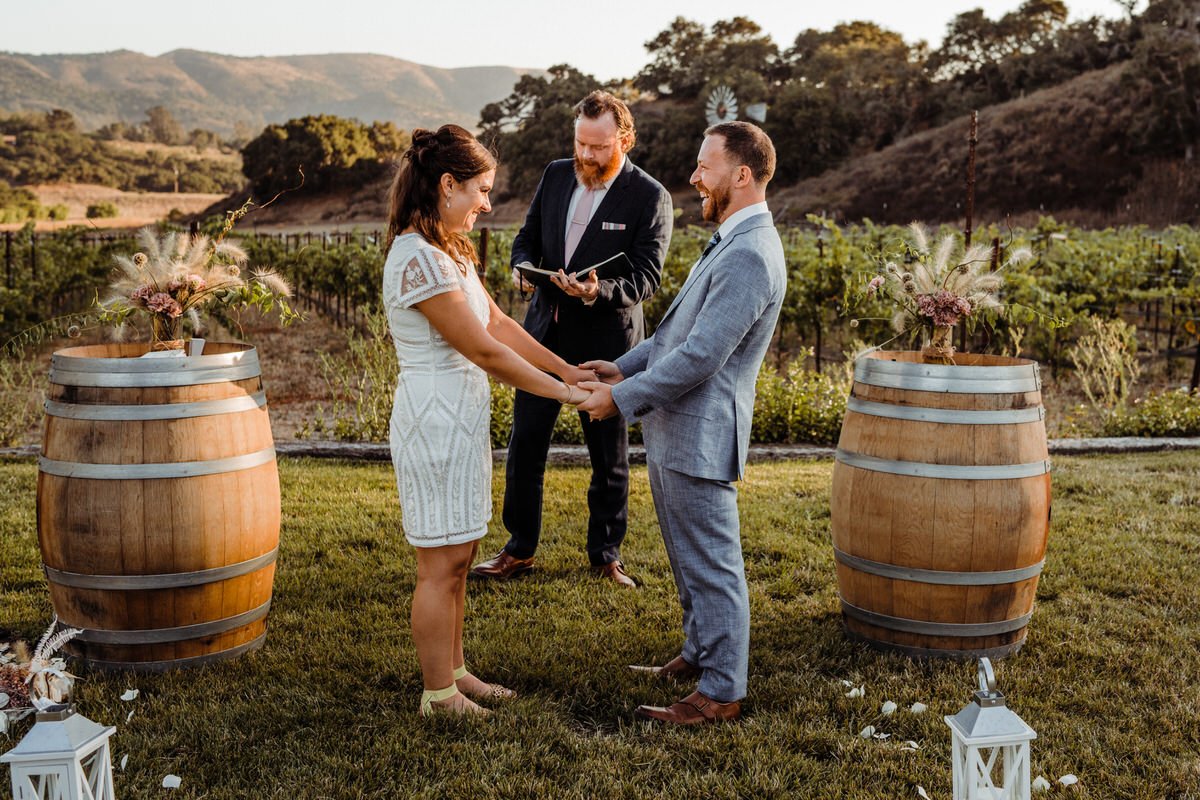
747, 144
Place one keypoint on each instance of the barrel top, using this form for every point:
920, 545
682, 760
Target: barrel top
126, 357
960, 359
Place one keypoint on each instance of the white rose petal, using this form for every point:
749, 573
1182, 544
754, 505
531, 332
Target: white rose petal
846, 683
888, 709
130, 694
867, 732
1068, 780
857, 692
172, 782
882, 736
911, 745
1040, 784
922, 793
124, 761
128, 716
918, 708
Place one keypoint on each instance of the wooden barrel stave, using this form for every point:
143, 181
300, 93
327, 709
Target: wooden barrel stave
159, 526
949, 525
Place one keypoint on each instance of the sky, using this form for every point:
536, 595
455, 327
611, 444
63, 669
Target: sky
606, 39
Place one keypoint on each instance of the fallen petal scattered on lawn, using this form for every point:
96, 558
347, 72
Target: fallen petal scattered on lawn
129, 716
1040, 784
172, 782
1068, 780
130, 694
888, 709
882, 736
857, 692
911, 745
867, 732
124, 761
922, 793
918, 708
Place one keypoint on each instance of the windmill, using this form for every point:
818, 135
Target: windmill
722, 106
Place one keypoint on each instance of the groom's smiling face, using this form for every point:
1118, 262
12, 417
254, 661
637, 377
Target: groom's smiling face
713, 179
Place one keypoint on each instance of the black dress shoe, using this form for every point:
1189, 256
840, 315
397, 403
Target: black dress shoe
502, 567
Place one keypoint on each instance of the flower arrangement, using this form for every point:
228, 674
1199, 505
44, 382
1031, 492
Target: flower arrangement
176, 276
34, 681
935, 288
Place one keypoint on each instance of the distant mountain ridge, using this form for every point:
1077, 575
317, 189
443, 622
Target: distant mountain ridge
215, 92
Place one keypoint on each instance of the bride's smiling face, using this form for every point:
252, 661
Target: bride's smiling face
464, 202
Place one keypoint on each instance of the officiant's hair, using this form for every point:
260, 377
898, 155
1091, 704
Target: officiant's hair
600, 102
415, 194
748, 144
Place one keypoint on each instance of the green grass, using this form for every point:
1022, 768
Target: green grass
327, 708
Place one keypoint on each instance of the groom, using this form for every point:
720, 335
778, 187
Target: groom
692, 386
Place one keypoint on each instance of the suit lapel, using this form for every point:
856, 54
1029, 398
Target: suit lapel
706, 264
612, 198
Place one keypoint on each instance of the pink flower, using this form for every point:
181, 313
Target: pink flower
163, 303
196, 283
874, 285
944, 308
140, 295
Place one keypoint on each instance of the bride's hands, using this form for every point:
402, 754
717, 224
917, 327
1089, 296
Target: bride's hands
573, 375
575, 395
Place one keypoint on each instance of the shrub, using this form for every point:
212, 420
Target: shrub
21, 395
1106, 362
58, 211
798, 405
102, 210
1171, 413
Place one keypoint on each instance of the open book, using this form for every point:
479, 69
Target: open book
581, 274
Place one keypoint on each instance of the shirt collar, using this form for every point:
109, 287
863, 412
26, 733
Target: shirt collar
740, 216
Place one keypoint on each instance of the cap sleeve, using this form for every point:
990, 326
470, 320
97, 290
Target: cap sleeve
422, 275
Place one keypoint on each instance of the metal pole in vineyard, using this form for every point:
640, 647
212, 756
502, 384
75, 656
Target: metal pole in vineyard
972, 141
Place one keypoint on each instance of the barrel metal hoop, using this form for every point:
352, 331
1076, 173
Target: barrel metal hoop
921, 469
171, 469
154, 365
935, 628
941, 577
167, 635
149, 380
177, 663
937, 652
172, 580
134, 413
947, 386
950, 416
916, 369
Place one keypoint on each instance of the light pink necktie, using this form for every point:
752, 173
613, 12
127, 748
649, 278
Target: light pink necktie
579, 222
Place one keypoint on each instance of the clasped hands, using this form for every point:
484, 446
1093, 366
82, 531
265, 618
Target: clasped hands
597, 378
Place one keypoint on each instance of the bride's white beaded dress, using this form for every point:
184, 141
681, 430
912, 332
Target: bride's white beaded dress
440, 439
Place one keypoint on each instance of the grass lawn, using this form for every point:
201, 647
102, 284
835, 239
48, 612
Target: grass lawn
1108, 676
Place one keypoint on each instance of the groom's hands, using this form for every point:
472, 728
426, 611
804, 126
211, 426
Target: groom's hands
600, 405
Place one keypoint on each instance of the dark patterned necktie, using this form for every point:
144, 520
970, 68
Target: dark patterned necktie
713, 242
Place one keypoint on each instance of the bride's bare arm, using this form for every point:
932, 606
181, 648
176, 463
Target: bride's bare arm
450, 315
505, 329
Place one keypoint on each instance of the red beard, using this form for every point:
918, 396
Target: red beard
713, 210
593, 175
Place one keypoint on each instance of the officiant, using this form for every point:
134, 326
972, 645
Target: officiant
586, 209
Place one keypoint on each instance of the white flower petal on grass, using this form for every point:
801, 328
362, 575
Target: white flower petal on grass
888, 709
922, 793
128, 717
882, 736
130, 694
172, 782
124, 761
1040, 784
911, 746
1068, 780
918, 708
860, 691
867, 732
847, 683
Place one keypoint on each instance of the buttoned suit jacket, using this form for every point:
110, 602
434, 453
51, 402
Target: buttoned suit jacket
635, 216
691, 384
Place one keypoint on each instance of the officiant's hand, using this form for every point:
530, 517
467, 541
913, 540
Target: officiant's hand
586, 291
605, 371
600, 405
520, 284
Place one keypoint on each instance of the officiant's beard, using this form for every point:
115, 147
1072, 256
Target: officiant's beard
594, 175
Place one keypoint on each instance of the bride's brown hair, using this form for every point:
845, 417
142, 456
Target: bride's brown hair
415, 191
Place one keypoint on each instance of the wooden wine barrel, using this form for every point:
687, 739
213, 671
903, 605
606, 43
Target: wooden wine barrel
158, 504
941, 503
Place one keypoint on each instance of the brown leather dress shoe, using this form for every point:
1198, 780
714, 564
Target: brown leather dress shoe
615, 571
677, 669
695, 709
502, 567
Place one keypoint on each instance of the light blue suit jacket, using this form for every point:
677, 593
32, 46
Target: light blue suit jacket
691, 384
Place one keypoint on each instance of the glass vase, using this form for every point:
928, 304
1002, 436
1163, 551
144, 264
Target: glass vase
164, 333
939, 347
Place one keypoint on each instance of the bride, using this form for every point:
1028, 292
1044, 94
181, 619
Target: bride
449, 336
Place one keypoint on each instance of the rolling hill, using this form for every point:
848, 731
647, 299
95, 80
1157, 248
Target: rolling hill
215, 92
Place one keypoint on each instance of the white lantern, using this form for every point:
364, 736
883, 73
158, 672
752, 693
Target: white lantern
64, 756
991, 746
